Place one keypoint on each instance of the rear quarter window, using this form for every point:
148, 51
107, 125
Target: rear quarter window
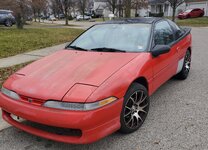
179, 32
163, 33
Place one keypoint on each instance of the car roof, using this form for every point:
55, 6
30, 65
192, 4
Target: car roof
6, 11
197, 8
147, 20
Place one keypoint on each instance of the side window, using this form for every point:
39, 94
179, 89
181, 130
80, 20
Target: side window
178, 31
163, 34
1, 13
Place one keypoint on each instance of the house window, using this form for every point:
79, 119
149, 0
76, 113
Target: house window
153, 8
159, 8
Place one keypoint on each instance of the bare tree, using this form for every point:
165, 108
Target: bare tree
139, 4
20, 7
120, 8
38, 7
82, 6
63, 7
127, 7
112, 5
66, 7
54, 5
174, 4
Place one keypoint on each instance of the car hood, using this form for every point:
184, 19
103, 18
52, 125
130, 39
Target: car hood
53, 76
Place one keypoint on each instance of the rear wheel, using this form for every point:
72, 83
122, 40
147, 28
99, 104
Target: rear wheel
186, 67
8, 23
201, 15
135, 108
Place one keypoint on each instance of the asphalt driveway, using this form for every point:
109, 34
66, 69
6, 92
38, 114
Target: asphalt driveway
178, 117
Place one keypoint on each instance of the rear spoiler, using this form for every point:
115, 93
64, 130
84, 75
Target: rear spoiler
186, 30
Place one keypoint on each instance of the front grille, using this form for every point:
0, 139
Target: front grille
54, 130
33, 101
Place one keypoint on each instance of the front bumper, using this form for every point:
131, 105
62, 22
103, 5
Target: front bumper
182, 16
94, 124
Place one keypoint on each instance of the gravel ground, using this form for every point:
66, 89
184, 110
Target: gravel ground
178, 117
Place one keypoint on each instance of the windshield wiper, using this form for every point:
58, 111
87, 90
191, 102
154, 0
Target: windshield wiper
76, 48
105, 49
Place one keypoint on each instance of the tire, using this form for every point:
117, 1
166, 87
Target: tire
135, 108
8, 23
201, 15
186, 67
188, 17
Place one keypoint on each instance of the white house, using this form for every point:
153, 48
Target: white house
143, 12
100, 7
163, 6
155, 6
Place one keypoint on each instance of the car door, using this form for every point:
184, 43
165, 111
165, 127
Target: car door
199, 13
165, 65
182, 44
195, 13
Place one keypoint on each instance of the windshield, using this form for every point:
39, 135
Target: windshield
115, 37
189, 10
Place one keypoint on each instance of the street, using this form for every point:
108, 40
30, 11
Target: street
177, 120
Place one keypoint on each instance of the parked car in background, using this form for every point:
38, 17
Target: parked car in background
43, 17
61, 16
100, 83
81, 17
52, 18
191, 13
6, 18
29, 18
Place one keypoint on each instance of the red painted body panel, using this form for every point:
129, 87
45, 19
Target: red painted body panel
77, 76
53, 76
94, 124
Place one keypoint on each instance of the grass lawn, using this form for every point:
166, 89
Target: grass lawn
6, 72
14, 41
32, 24
194, 22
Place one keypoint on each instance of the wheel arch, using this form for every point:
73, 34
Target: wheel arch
143, 81
190, 50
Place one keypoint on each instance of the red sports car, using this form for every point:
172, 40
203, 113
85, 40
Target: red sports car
191, 13
101, 81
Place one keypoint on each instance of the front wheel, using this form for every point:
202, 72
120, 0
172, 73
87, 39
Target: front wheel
8, 23
186, 67
135, 108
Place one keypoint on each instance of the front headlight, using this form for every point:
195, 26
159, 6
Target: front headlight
10, 94
79, 106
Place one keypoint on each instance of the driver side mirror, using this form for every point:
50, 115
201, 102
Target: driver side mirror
160, 49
